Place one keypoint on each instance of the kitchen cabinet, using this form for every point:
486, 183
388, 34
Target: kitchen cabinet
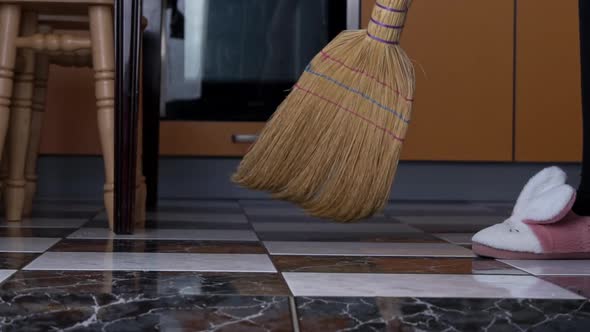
463, 53
491, 86
548, 95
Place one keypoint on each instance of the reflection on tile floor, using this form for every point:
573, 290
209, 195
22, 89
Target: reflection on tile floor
423, 285
367, 249
360, 264
162, 246
576, 284
259, 265
141, 261
147, 283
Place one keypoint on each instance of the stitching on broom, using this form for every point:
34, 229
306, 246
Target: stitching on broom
328, 56
387, 131
309, 70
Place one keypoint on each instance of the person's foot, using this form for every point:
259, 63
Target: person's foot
542, 225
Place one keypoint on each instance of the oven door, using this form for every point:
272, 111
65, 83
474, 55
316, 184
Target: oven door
235, 60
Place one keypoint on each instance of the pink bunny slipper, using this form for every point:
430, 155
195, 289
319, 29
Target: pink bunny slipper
542, 225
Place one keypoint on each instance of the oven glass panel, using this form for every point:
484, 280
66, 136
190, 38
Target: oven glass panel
235, 60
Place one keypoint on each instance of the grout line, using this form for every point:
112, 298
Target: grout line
279, 272
294, 316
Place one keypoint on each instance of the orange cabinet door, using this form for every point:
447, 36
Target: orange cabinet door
548, 93
463, 52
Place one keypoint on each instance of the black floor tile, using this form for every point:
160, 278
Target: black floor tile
15, 260
407, 314
162, 246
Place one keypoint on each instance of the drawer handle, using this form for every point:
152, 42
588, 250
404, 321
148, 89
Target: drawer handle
244, 138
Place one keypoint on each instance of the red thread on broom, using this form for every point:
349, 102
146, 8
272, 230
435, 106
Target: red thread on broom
328, 56
387, 131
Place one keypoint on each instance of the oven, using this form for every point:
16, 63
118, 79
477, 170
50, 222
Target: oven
235, 60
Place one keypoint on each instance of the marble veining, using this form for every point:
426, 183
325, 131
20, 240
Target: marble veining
109, 312
367, 249
168, 234
434, 315
162, 246
26, 244
358, 264
132, 261
146, 283
552, 267
424, 285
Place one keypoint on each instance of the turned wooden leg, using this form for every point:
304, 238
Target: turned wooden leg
9, 28
20, 126
40, 87
103, 60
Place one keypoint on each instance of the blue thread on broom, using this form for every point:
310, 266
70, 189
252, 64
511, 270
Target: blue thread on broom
309, 70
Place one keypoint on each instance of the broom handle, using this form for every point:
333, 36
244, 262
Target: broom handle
387, 21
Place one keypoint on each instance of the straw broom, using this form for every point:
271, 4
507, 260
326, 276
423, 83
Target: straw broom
333, 145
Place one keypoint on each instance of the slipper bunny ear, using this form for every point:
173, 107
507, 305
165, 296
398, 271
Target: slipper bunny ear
546, 198
546, 179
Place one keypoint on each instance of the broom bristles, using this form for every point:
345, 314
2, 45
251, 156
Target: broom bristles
334, 143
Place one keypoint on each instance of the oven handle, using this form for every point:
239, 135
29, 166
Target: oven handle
244, 138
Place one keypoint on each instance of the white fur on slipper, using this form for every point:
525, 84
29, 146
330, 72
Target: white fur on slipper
543, 200
544, 197
510, 235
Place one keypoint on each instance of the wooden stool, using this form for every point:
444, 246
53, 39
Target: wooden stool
22, 119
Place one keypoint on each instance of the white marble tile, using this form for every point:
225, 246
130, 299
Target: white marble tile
423, 285
130, 261
191, 217
552, 267
456, 238
367, 249
5, 274
26, 244
45, 223
451, 220
328, 227
168, 234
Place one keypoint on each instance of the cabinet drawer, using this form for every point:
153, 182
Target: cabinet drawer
222, 139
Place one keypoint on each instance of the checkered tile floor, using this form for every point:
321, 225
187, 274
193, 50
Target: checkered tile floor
266, 266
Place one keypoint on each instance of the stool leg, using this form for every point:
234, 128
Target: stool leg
20, 126
40, 83
103, 60
9, 28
